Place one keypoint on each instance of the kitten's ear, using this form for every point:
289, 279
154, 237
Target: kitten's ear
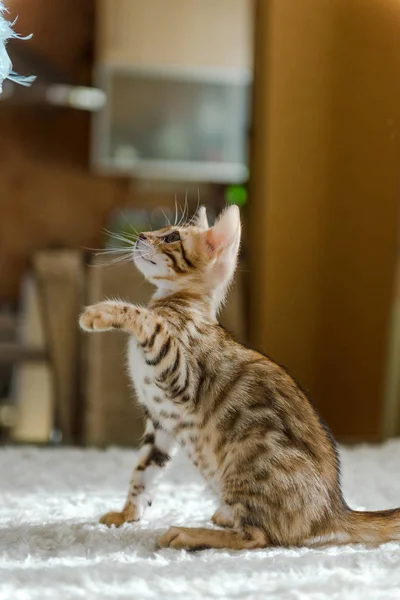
200, 219
226, 231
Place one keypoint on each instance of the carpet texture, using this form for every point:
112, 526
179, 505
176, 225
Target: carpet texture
51, 545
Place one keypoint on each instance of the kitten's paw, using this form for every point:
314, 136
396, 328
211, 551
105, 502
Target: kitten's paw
113, 518
103, 316
174, 538
117, 519
223, 517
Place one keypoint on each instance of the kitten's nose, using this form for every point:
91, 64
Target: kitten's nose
142, 236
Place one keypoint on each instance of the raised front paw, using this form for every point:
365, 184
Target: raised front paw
104, 316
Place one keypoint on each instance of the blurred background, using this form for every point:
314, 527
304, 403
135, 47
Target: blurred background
289, 109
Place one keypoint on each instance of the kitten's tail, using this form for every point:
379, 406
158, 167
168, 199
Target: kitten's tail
373, 527
357, 527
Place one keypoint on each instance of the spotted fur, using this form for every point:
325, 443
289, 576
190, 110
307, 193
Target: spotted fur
242, 420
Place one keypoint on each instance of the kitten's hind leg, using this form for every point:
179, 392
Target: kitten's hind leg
187, 538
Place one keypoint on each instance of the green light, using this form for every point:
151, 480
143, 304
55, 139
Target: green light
236, 194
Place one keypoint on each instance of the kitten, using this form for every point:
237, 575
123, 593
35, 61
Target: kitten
242, 420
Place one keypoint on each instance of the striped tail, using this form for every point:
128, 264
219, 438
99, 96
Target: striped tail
373, 527
359, 527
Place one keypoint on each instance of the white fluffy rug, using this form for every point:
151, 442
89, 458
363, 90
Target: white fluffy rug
51, 546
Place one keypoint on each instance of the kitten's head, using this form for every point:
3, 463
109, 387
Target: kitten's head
192, 257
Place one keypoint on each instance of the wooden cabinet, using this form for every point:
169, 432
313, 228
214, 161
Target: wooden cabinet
324, 204
177, 74
185, 33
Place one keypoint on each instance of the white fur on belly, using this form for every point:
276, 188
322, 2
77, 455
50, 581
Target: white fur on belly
140, 371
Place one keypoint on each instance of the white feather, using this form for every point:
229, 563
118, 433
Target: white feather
6, 33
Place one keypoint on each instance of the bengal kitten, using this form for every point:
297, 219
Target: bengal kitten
242, 420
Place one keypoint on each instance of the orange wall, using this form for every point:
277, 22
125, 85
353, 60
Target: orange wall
325, 190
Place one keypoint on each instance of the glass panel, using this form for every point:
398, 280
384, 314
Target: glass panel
158, 118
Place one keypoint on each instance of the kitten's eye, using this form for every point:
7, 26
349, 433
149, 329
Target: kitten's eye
172, 237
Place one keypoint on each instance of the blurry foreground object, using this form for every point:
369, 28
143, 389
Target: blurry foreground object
41, 351
6, 33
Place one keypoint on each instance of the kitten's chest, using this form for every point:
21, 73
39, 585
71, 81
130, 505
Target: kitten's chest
173, 418
143, 377
170, 415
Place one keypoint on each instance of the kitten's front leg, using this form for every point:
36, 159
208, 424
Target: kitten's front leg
153, 456
109, 315
141, 322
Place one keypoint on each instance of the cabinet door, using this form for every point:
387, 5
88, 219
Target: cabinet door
325, 198
186, 33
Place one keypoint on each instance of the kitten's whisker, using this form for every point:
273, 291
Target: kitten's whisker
182, 216
115, 261
198, 201
120, 233
129, 224
122, 238
150, 251
186, 208
104, 250
130, 235
166, 218
147, 254
195, 212
126, 253
176, 212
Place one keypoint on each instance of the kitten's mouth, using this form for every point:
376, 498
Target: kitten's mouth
148, 260
140, 255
